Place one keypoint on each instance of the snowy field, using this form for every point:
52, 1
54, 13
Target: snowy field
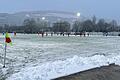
35, 58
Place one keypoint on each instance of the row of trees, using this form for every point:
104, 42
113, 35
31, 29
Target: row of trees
89, 25
29, 26
92, 25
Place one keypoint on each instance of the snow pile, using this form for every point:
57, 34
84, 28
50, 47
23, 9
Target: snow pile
51, 70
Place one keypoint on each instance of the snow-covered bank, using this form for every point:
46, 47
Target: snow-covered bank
59, 68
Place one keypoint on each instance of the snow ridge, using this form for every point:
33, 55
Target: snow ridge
51, 70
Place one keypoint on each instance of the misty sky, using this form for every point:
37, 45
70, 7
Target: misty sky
101, 8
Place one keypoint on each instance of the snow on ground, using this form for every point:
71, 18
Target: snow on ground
35, 58
60, 68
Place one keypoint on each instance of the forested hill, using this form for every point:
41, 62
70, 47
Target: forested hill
19, 17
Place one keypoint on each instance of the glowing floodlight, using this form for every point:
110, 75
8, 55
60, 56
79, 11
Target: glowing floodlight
43, 18
78, 14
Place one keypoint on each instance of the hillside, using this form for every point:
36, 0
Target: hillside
52, 16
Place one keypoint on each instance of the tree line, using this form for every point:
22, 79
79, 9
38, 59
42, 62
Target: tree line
94, 25
89, 25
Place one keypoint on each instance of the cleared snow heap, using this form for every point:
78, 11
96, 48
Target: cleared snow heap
51, 70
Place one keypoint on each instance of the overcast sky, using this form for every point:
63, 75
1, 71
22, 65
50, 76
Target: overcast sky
101, 8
